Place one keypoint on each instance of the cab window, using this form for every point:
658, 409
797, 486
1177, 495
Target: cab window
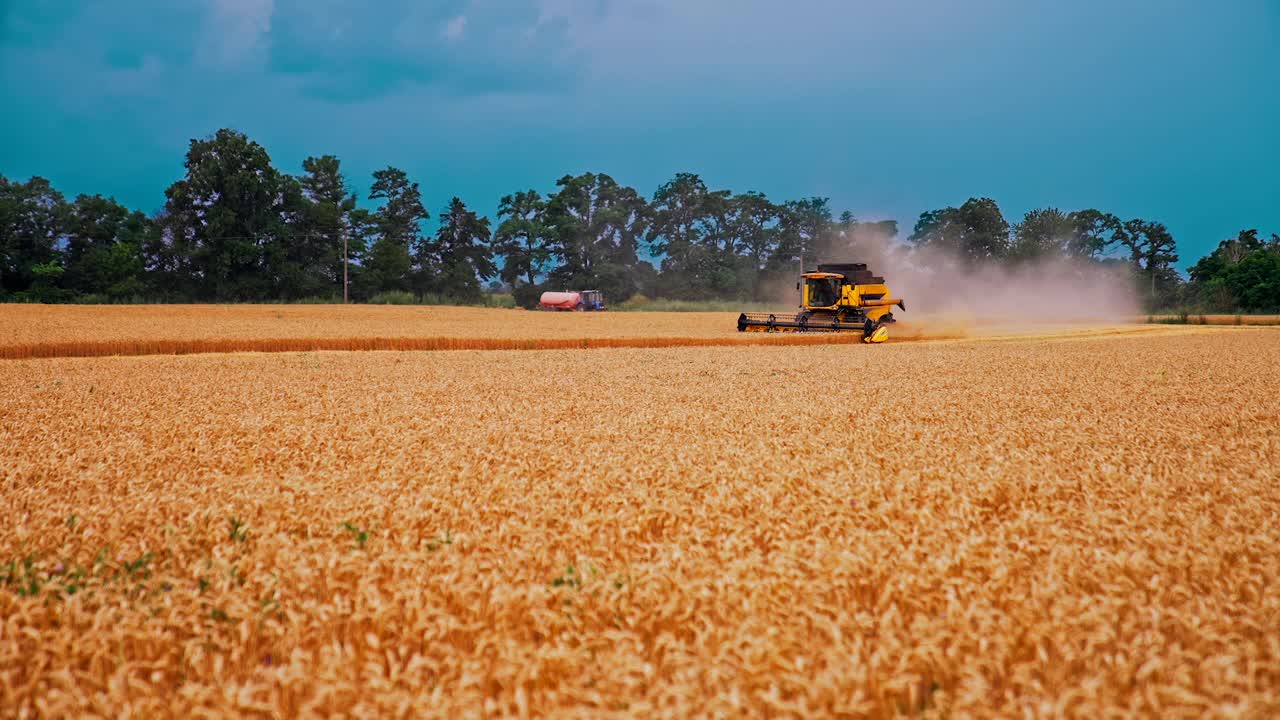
824, 292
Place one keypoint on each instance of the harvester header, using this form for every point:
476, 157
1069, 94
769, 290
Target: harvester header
838, 297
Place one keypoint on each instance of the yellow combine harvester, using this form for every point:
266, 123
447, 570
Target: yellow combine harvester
838, 297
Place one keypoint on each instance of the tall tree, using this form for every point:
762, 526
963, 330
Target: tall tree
327, 226
461, 246
388, 265
1042, 233
227, 217
1254, 282
1052, 233
692, 230
521, 238
975, 232
104, 248
678, 224
32, 217
1242, 273
1152, 252
1093, 233
755, 225
847, 222
296, 258
803, 227
595, 225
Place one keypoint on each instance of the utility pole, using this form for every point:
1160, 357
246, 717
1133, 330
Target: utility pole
800, 278
344, 266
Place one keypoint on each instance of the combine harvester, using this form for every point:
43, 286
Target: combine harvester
839, 297
574, 300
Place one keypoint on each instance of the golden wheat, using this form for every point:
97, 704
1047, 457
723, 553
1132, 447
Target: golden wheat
109, 348
89, 323
1219, 319
41, 331
1088, 527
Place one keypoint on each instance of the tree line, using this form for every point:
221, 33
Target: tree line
237, 229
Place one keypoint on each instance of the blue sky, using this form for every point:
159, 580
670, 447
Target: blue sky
1166, 110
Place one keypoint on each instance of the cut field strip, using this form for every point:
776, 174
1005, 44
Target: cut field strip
1254, 320
110, 348
197, 346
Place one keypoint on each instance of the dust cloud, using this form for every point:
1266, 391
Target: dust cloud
945, 295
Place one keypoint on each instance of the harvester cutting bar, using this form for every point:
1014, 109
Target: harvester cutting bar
774, 322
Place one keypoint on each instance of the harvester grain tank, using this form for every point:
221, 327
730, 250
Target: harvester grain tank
573, 300
838, 297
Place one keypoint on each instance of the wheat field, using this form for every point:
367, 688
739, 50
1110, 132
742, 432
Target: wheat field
90, 323
1081, 527
44, 331
1192, 319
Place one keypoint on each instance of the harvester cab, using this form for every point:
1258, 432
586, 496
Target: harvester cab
838, 297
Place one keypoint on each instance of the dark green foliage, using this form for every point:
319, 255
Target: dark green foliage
22, 576
397, 229
139, 566
227, 219
521, 240
754, 223
32, 218
315, 260
803, 229
695, 229
1152, 252
570, 579
458, 257
439, 542
1042, 233
104, 250
594, 226
975, 232
33, 575
237, 530
1050, 233
685, 216
360, 536
526, 295
1241, 274
1093, 232
714, 244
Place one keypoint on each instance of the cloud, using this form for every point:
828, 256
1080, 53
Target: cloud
339, 51
454, 28
236, 32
